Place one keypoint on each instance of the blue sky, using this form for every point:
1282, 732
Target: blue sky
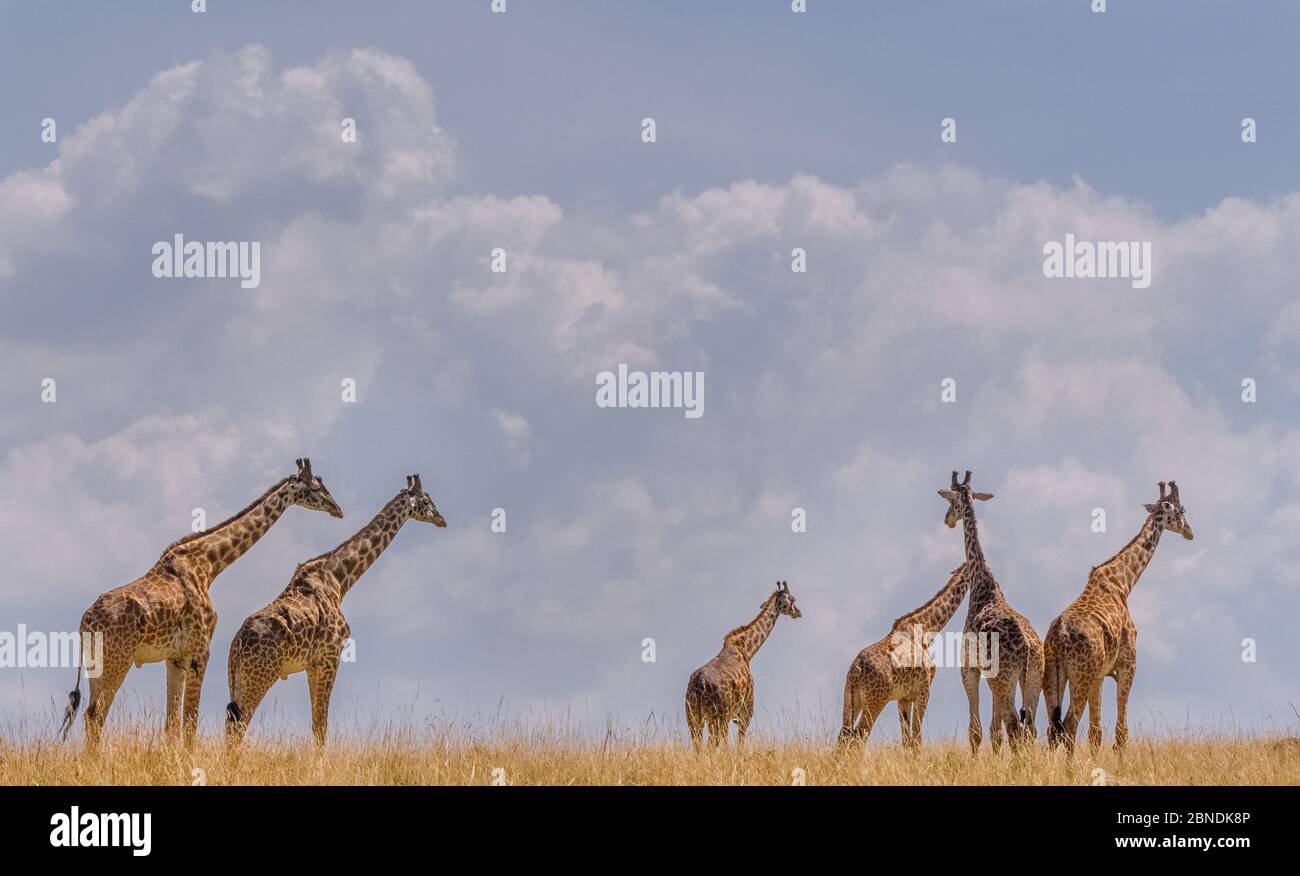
775, 130
1141, 101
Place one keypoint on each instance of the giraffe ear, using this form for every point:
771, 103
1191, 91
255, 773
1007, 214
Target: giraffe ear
948, 494
983, 497
1151, 509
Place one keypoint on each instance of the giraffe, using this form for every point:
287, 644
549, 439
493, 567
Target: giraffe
303, 629
899, 667
167, 614
722, 690
1095, 637
996, 632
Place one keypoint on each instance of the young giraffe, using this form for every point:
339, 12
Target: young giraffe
167, 615
303, 629
899, 667
722, 690
1095, 637
991, 623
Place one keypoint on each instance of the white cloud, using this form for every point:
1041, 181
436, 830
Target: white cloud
515, 429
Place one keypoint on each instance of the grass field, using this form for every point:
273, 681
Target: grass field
451, 754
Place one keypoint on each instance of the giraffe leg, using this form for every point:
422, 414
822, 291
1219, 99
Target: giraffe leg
849, 725
918, 715
861, 708
247, 690
719, 728
995, 723
1005, 720
905, 721
970, 679
871, 710
103, 688
743, 719
1078, 688
1011, 721
193, 685
695, 723
1094, 716
175, 686
1123, 684
320, 679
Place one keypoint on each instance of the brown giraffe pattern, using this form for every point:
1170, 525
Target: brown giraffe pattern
303, 629
722, 690
167, 614
899, 668
990, 619
1095, 636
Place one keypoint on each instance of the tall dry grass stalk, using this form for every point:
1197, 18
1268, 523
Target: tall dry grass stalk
558, 752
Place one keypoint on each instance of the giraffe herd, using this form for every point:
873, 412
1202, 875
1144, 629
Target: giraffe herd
1092, 639
167, 615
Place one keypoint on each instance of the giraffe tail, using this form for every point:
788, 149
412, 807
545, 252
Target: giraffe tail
74, 703
1054, 694
1058, 722
1031, 688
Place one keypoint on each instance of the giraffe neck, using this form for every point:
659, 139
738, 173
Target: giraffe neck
350, 560
1129, 564
983, 587
208, 553
940, 608
749, 638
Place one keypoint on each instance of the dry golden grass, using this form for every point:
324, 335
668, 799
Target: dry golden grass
453, 754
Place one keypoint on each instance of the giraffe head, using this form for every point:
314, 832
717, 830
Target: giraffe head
309, 491
785, 600
954, 493
421, 506
1171, 509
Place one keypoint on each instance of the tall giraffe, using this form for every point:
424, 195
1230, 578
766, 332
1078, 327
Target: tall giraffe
998, 642
722, 690
899, 667
303, 629
1095, 637
167, 614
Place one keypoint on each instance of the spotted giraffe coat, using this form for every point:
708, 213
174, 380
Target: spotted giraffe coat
899, 667
303, 629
